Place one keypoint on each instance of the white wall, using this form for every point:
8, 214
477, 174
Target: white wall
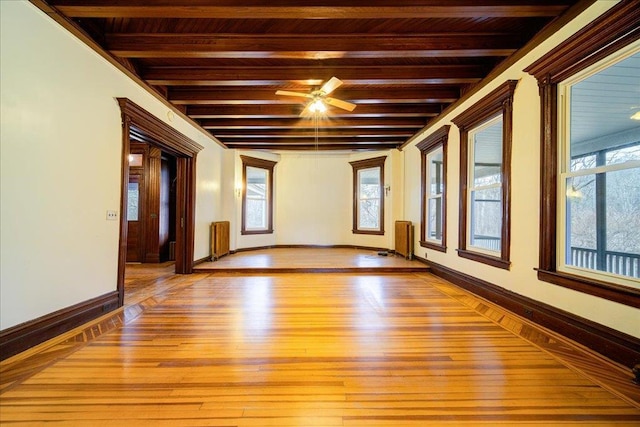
521, 278
313, 200
60, 159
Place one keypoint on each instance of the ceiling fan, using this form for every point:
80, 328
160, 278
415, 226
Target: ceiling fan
319, 98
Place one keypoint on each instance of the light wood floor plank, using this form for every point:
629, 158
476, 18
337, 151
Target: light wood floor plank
309, 350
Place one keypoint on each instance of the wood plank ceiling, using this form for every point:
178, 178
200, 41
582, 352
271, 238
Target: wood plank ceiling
402, 62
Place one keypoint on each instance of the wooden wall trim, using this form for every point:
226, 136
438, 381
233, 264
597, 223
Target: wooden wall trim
150, 126
615, 345
365, 248
26, 335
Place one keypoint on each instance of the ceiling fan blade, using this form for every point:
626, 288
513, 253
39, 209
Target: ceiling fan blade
331, 85
289, 93
340, 104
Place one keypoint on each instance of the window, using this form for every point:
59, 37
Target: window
434, 176
590, 193
599, 176
257, 196
368, 196
485, 187
485, 169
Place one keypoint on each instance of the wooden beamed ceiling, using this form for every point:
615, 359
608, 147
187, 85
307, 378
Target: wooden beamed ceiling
402, 62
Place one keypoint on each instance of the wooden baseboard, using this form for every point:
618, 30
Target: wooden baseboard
26, 335
366, 248
615, 345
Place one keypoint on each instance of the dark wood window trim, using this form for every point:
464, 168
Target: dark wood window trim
436, 140
498, 102
260, 164
609, 33
366, 164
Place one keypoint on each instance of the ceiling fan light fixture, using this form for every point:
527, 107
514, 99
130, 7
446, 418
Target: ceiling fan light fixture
317, 106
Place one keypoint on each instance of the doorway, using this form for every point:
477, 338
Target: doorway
151, 204
140, 127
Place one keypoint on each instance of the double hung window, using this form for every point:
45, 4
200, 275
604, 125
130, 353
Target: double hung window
485, 176
368, 196
257, 196
590, 164
433, 180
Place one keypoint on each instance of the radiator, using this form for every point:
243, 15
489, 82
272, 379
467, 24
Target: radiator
219, 239
404, 239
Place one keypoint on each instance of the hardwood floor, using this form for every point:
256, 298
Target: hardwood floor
339, 349
311, 260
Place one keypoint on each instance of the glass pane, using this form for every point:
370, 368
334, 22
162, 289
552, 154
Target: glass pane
132, 201
369, 182
436, 169
581, 222
434, 219
256, 214
622, 255
623, 211
603, 217
601, 109
486, 219
256, 175
256, 198
487, 154
369, 214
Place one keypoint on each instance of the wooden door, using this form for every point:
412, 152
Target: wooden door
135, 225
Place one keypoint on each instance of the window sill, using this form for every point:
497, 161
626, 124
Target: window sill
485, 259
245, 232
371, 232
434, 246
617, 293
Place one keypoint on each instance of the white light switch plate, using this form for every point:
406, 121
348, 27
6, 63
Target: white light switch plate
112, 215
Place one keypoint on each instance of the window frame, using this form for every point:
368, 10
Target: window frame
377, 162
497, 103
611, 32
269, 166
438, 139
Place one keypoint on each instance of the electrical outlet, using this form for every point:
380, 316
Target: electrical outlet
528, 313
112, 215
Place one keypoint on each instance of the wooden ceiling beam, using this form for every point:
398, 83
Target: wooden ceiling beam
311, 140
306, 123
352, 146
241, 96
310, 46
322, 133
313, 76
288, 9
293, 111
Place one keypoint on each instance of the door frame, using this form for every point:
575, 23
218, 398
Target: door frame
140, 125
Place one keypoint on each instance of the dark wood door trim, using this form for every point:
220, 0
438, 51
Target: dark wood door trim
145, 127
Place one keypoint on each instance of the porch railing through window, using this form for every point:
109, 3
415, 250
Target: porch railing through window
488, 242
622, 263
